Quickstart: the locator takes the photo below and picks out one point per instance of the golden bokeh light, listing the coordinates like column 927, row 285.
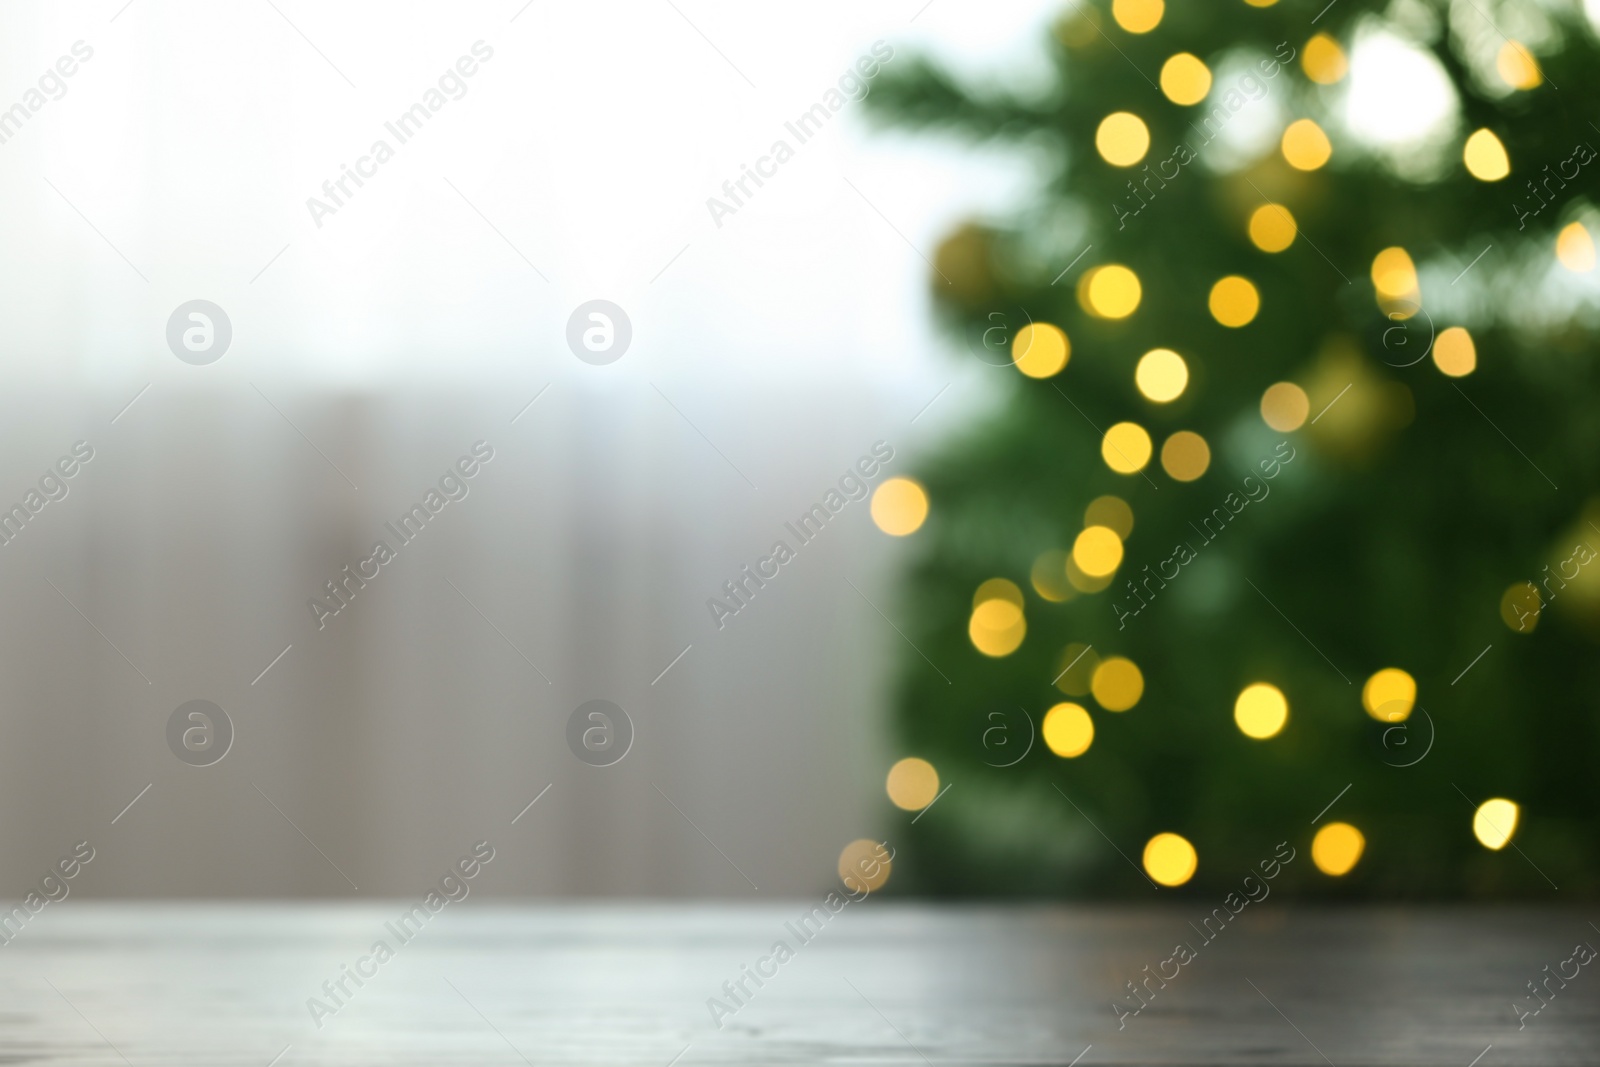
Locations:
column 1234, row 301
column 1040, row 350
column 1517, row 67
column 912, row 784
column 1049, row 576
column 1495, row 822
column 1138, row 16
column 1305, row 146
column 1185, row 456
column 1337, row 848
column 996, row 615
column 864, row 865
column 1126, row 448
column 1486, row 157
column 1454, row 353
column 1575, row 248
column 1185, row 79
column 1284, row 407
column 998, row 589
column 1068, row 730
column 1323, row 60
column 1110, row 292
column 1122, row 139
column 1389, row 695
column 1393, row 274
column 1161, row 375
column 1169, row 859
column 1117, row 683
column 1520, row 606
column 1076, row 669
column 1261, row 711
column 1097, row 551
column 1272, row 228
column 1112, row 511
column 997, row 644
column 899, row 506
column 1085, row 583
column 997, row 627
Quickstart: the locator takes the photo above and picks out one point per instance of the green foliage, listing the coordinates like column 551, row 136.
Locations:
column 1388, row 540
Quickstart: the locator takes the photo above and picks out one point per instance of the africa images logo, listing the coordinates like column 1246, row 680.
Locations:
column 855, row 484
column 853, row 84
column 199, row 332
column 452, row 486
column 199, row 733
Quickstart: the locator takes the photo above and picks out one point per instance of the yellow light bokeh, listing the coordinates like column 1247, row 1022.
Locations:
column 1494, row 823
column 997, row 628
column 1068, row 730
column 1185, row 79
column 1112, row 511
column 1049, row 576
column 1085, row 583
column 1389, row 695
column 997, row 615
column 1110, row 292
column 1097, row 551
column 1161, row 375
column 1122, row 139
column 1234, row 301
column 1520, row 606
column 1485, row 157
column 1261, row 711
column 899, row 506
column 912, row 784
column 1575, row 248
column 1169, row 859
column 1337, row 848
column 1284, row 407
column 864, row 865
column 1261, row 3
column 998, row 589
column 1323, row 60
column 1517, row 67
column 1185, row 456
column 1454, row 353
column 1272, row 228
column 1394, row 276
column 1117, row 683
column 1076, row 668
column 1305, row 146
column 1126, row 448
column 1138, row 16
column 1040, row 350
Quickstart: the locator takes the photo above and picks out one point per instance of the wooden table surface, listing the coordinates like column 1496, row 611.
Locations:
column 880, row 982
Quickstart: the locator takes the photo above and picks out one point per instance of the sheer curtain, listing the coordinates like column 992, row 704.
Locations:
column 370, row 349
column 432, row 708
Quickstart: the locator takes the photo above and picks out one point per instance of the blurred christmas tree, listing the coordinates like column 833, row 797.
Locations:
column 1294, row 485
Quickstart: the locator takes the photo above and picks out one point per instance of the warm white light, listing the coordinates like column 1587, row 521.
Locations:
column 1399, row 94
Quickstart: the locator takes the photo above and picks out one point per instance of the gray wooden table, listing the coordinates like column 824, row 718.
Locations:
column 880, row 982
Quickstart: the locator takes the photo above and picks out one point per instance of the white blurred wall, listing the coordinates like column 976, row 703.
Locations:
column 407, row 726
column 368, row 354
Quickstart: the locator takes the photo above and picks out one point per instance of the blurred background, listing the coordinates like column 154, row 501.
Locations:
column 1079, row 344
column 1281, row 546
